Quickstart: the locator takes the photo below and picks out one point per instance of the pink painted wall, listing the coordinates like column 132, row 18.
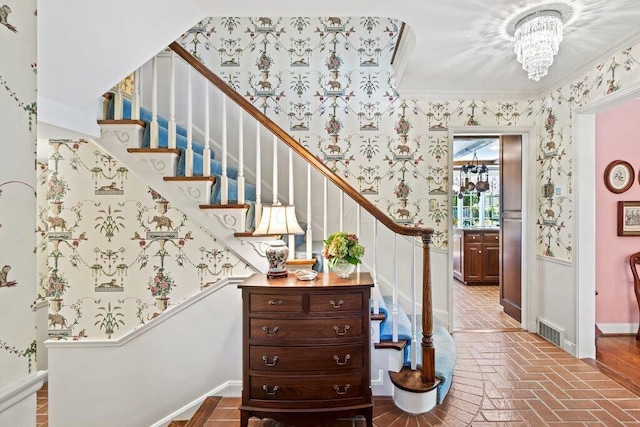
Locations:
column 617, row 138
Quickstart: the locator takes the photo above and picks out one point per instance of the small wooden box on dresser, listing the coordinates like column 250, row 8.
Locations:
column 306, row 349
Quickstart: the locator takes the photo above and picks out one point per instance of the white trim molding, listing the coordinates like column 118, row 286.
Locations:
column 21, row 391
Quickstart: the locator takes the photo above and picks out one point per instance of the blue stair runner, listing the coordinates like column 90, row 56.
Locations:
column 198, row 150
column 445, row 347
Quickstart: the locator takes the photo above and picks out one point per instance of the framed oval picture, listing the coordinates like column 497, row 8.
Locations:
column 619, row 176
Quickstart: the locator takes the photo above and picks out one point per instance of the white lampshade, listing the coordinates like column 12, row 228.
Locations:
column 278, row 220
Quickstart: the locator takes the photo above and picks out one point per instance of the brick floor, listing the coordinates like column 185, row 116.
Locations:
column 478, row 307
column 511, row 378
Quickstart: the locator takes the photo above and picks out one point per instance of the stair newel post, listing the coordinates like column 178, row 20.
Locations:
column 292, row 241
column 394, row 310
column 325, row 200
column 240, row 158
column 275, row 169
column 376, row 302
column 258, row 208
column 206, row 152
column 428, row 351
column 171, row 143
column 224, row 181
column 153, row 126
column 189, row 151
column 135, row 99
column 414, row 308
column 309, row 236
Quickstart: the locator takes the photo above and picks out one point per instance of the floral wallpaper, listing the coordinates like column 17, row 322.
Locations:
column 330, row 83
column 118, row 254
column 17, row 190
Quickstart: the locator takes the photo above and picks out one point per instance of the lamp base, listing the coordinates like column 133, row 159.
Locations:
column 277, row 275
column 277, row 254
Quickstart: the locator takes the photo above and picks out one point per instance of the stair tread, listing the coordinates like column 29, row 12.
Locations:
column 234, row 206
column 379, row 316
column 204, row 411
column 154, row 150
column 410, row 380
column 400, row 345
column 122, row 122
column 190, row 178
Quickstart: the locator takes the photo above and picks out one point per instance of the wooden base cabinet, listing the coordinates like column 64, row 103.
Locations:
column 476, row 256
column 306, row 349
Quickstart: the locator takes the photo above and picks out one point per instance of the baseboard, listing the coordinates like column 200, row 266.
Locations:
column 227, row 389
column 569, row 347
column 618, row 328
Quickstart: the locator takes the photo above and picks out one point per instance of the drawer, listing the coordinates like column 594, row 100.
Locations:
column 491, row 238
column 309, row 329
column 308, row 387
column 472, row 237
column 312, row 358
column 275, row 303
column 335, row 302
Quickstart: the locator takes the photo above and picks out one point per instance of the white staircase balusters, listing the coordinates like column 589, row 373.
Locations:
column 240, row 158
column 358, row 212
column 325, row 199
column 258, row 209
column 394, row 316
column 153, row 126
column 206, row 152
column 376, row 302
column 292, row 240
column 189, row 152
column 309, row 235
column 414, row 308
column 117, row 102
column 171, row 143
column 341, row 210
column 275, row 169
column 135, row 97
column 224, row 180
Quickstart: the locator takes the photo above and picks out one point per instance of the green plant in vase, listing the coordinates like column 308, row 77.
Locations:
column 343, row 252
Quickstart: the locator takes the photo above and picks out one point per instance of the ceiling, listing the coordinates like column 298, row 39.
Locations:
column 486, row 148
column 452, row 50
column 463, row 48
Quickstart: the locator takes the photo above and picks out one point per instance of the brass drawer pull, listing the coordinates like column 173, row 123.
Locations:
column 265, row 359
column 266, row 330
column 346, row 329
column 337, row 389
column 346, row 358
column 275, row 302
column 273, row 391
column 336, row 304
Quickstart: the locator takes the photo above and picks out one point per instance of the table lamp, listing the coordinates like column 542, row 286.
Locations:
column 278, row 220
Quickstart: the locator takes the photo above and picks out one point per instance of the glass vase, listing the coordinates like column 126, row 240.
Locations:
column 343, row 268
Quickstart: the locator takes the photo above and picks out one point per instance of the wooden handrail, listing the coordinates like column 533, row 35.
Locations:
column 287, row 139
column 428, row 351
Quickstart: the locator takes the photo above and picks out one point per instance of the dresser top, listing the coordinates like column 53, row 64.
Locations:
column 328, row 280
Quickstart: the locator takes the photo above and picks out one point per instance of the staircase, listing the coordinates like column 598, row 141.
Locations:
column 209, row 179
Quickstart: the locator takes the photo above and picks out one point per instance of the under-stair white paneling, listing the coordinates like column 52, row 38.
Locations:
column 152, row 372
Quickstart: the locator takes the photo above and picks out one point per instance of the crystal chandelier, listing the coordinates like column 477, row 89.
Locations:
column 537, row 38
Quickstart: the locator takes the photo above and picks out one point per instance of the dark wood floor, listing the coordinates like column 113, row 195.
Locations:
column 618, row 357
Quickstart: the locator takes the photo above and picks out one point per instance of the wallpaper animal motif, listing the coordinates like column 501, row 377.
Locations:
column 17, row 191
column 118, row 253
column 330, row 83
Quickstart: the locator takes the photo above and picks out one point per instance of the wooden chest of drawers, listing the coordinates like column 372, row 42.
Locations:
column 306, row 349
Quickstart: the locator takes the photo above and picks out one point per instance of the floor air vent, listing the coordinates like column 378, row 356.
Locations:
column 550, row 332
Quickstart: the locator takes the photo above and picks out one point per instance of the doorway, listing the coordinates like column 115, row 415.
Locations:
column 486, row 167
column 479, row 307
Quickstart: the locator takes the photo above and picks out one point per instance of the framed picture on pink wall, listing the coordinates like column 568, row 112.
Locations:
column 619, row 176
column 628, row 218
